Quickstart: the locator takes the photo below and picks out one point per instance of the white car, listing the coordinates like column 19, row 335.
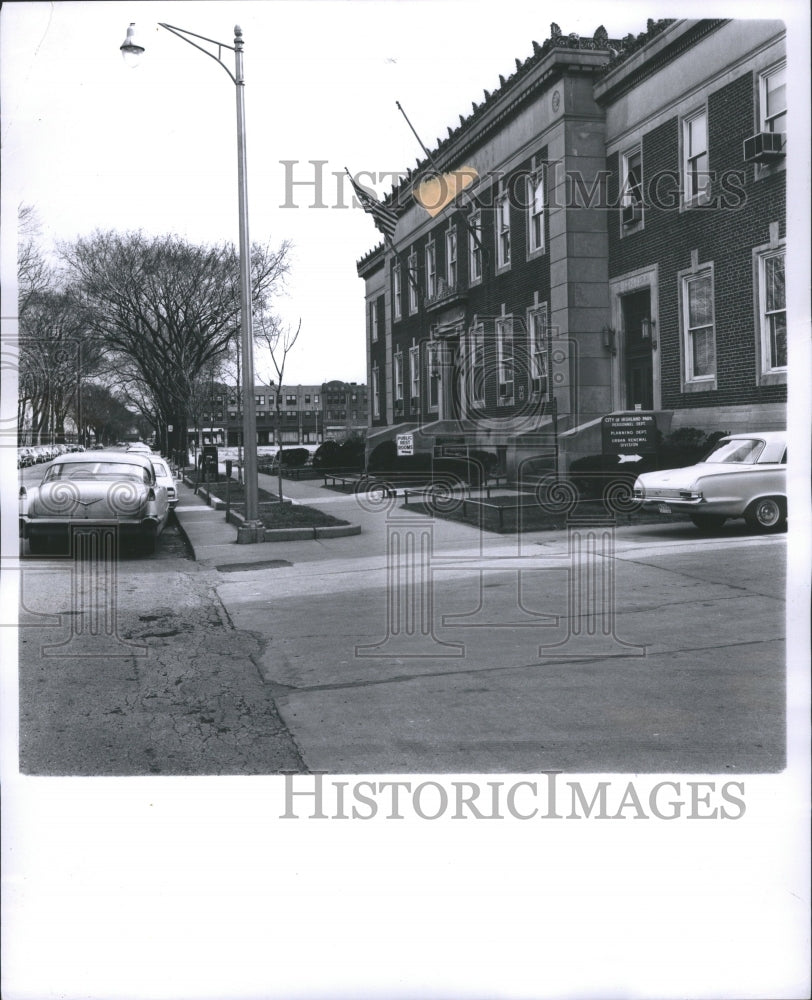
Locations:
column 83, row 492
column 163, row 475
column 745, row 475
column 139, row 448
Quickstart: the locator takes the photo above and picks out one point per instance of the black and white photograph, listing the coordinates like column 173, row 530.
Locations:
column 409, row 537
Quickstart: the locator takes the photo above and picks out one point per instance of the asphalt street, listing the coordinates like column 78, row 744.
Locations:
column 418, row 646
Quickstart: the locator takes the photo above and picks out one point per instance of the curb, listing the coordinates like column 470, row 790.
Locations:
column 245, row 534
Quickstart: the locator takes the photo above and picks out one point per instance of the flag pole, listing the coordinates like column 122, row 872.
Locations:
column 471, row 232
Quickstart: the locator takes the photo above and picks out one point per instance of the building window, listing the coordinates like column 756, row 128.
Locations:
column 451, row 258
column 412, row 282
column 632, row 192
column 695, row 159
column 433, row 365
column 376, row 398
column 290, row 400
column 699, row 336
column 414, row 375
column 316, row 399
column 504, row 354
column 773, row 99
column 476, row 367
column 475, row 247
column 397, row 373
column 772, row 310
column 373, row 322
column 431, row 271
column 307, row 400
column 397, row 291
column 503, row 230
column 538, row 350
column 536, row 203
column 259, row 400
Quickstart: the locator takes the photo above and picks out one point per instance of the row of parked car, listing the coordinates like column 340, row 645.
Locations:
column 130, row 488
column 36, row 454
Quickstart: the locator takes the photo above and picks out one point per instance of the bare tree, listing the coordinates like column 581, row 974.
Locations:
column 279, row 341
column 33, row 273
column 57, row 354
column 166, row 308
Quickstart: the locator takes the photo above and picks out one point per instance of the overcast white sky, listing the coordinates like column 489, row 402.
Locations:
column 93, row 144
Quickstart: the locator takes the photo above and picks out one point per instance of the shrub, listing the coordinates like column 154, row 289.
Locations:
column 326, row 456
column 351, row 454
column 295, row 458
column 687, row 446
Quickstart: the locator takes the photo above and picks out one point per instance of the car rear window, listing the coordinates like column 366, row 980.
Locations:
column 742, row 451
column 97, row 470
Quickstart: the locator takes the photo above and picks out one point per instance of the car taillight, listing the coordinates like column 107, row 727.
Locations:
column 151, row 494
column 690, row 495
column 23, row 493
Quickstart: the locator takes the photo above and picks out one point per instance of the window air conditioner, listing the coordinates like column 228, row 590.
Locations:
column 764, row 147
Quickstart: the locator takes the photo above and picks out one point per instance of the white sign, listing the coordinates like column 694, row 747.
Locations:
column 405, row 444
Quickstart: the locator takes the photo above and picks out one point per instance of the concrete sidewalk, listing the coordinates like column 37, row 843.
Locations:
column 211, row 538
column 214, row 541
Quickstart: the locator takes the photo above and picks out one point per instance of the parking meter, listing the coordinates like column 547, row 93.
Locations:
column 210, row 461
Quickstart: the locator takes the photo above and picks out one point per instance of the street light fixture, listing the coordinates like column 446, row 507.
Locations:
column 131, row 51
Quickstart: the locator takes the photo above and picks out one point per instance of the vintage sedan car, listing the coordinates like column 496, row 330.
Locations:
column 164, row 476
column 745, row 475
column 87, row 491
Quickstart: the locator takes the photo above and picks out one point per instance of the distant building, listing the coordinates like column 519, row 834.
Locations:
column 622, row 248
column 307, row 414
column 345, row 409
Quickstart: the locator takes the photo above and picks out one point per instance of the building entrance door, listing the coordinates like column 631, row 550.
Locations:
column 638, row 365
column 448, row 387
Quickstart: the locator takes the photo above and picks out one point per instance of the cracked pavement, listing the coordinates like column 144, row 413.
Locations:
column 168, row 686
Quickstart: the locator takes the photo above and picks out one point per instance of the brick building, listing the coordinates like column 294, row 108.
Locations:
column 308, row 414
column 621, row 248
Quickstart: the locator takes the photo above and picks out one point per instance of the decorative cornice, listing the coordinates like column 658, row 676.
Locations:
column 559, row 44
column 371, row 261
column 616, row 82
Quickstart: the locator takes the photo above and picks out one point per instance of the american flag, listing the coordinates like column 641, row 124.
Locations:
column 385, row 218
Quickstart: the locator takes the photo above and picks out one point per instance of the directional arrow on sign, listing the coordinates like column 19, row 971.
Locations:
column 629, row 458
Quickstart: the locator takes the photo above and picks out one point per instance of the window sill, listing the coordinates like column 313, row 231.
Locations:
column 777, row 376
column 706, row 385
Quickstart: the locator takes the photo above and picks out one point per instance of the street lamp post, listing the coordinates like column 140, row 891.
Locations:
column 131, row 51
